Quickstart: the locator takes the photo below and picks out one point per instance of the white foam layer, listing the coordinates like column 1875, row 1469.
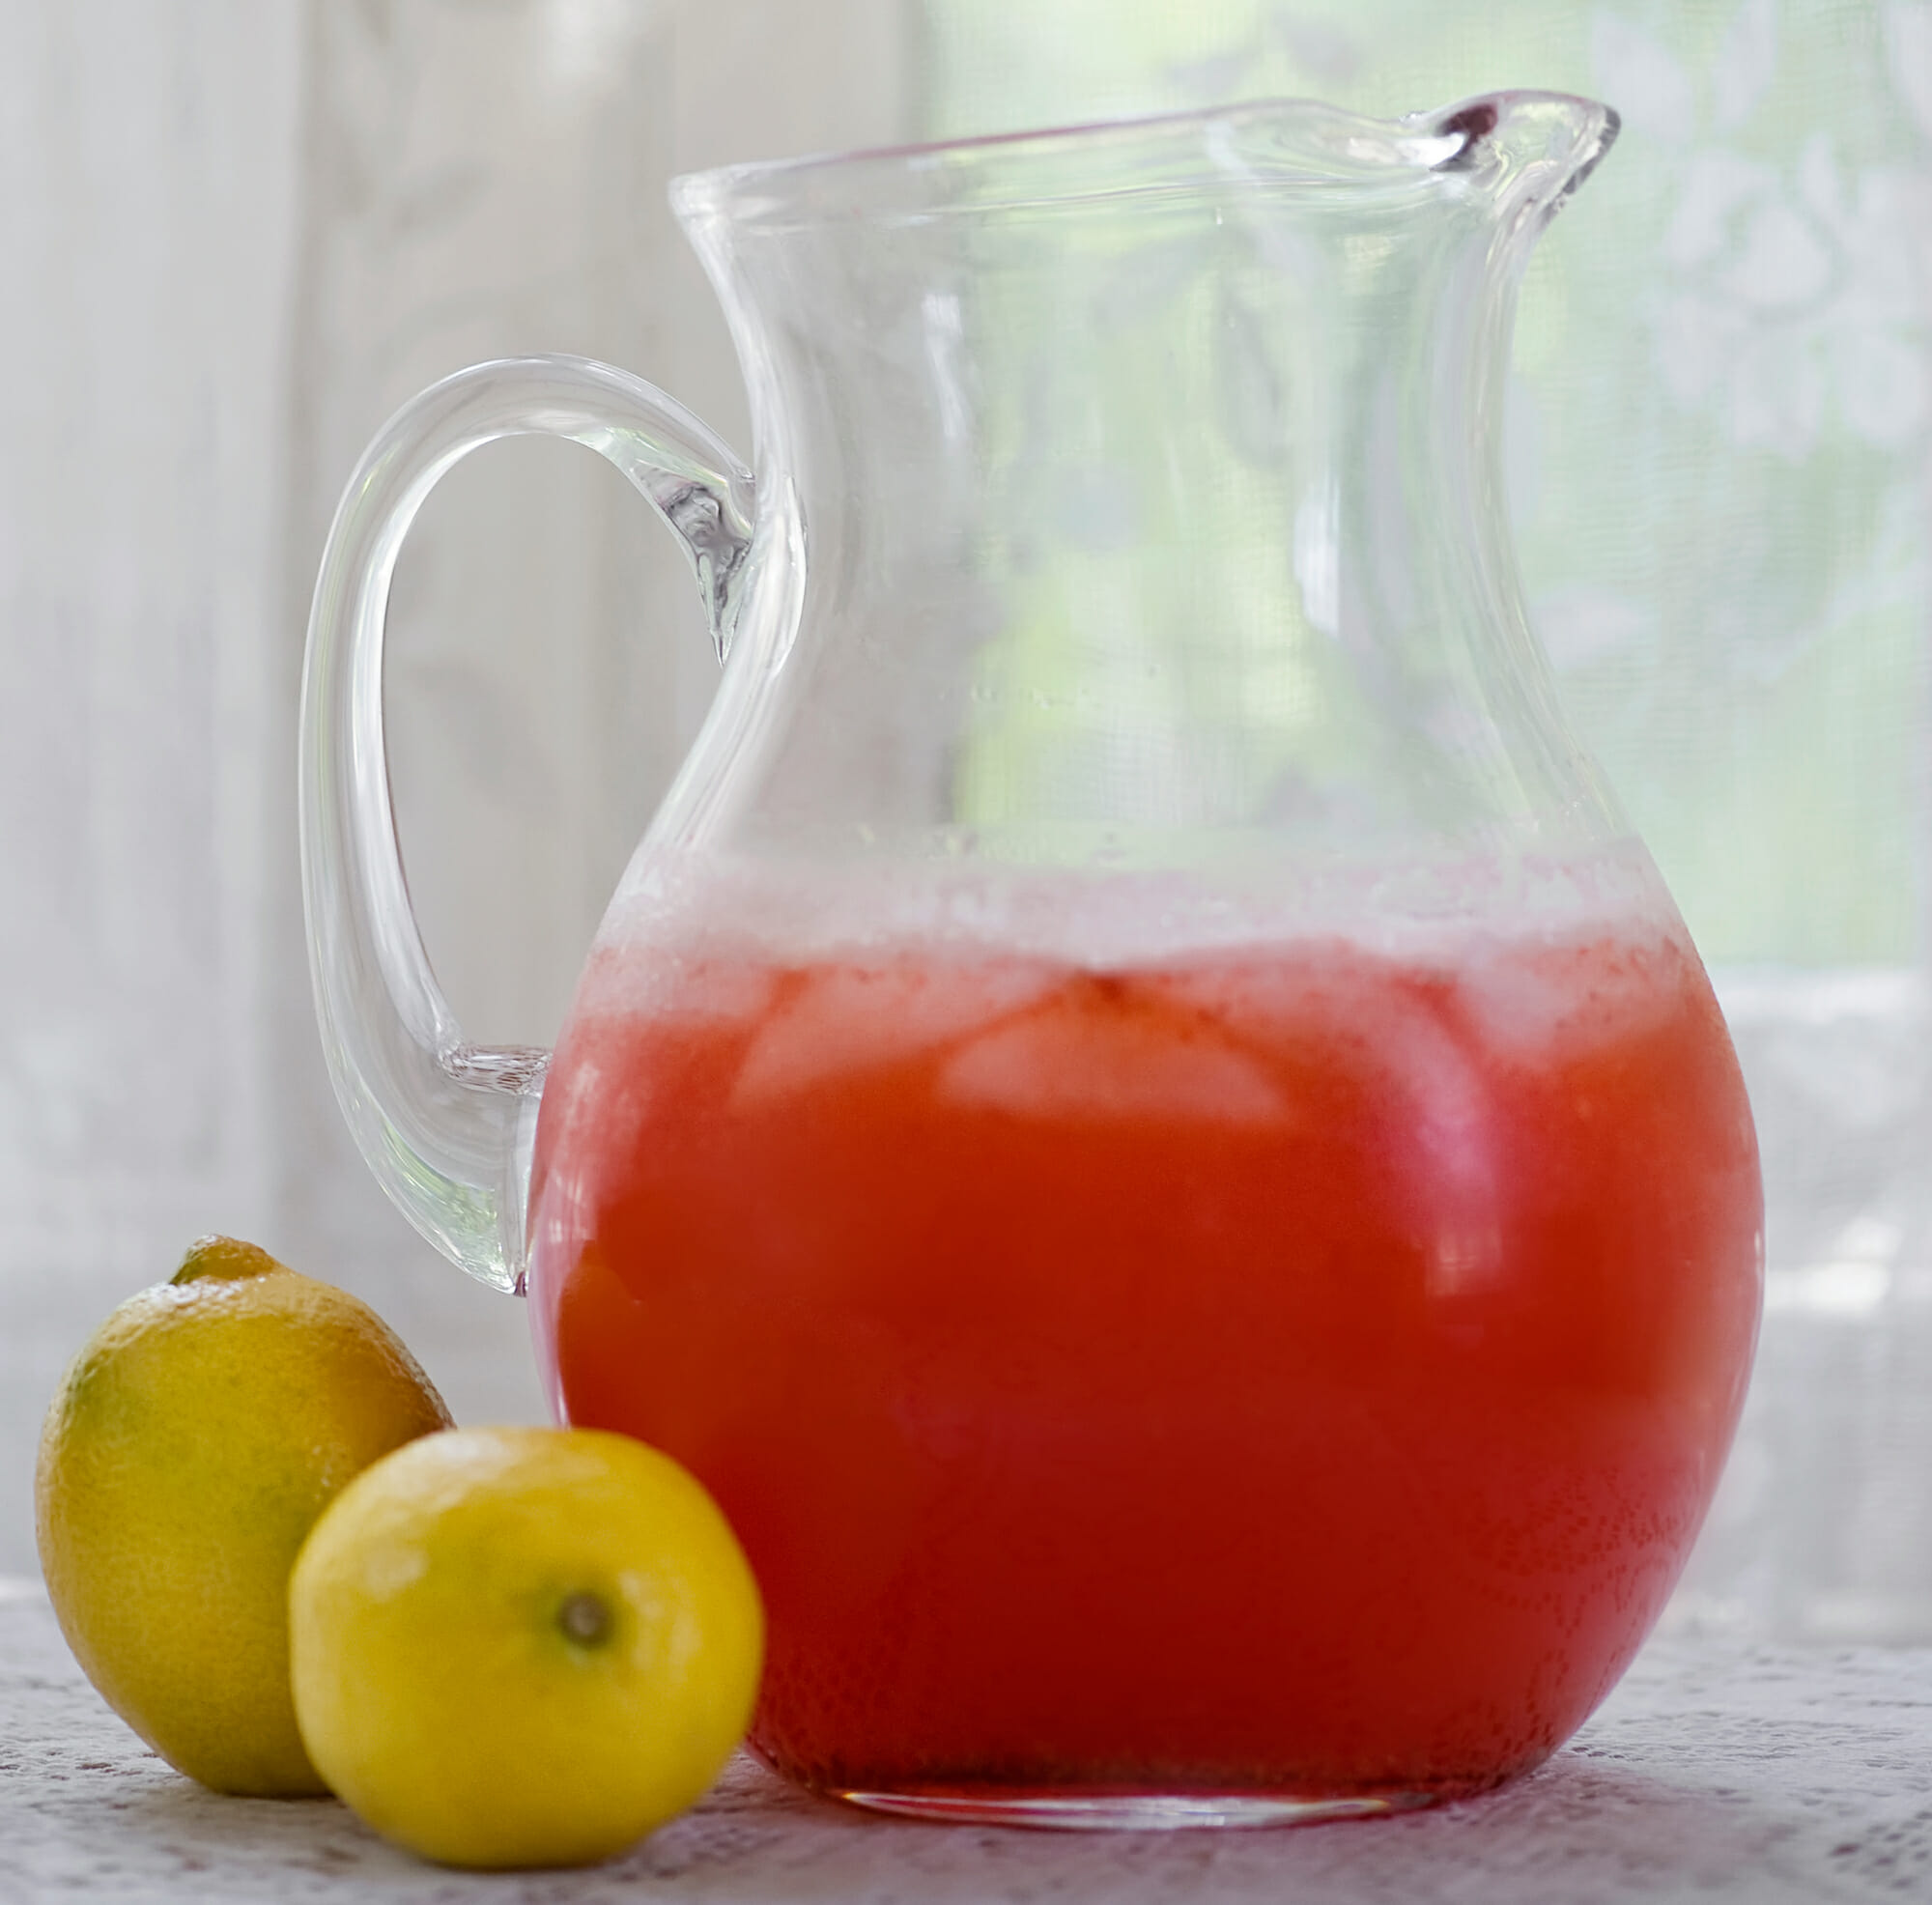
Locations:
column 738, row 907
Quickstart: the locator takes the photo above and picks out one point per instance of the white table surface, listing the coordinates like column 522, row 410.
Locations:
column 1716, row 1771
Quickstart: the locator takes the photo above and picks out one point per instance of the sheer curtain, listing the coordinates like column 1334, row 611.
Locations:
column 239, row 232
column 148, row 224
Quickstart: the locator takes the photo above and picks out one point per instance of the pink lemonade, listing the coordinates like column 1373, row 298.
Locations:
column 1285, row 1369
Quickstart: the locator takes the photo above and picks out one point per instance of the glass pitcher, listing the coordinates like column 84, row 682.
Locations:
column 1138, row 1116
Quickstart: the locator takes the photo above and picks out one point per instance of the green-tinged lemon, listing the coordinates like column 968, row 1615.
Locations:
column 188, row 1450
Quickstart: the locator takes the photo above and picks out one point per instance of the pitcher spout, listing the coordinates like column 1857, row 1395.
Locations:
column 1530, row 151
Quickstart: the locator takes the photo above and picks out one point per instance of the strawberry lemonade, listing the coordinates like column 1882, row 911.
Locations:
column 1276, row 1357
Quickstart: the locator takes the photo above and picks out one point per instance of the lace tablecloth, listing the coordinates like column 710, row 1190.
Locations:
column 1716, row 1771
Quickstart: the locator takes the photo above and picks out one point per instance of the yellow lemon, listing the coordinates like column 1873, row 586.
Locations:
column 190, row 1445
column 520, row 1647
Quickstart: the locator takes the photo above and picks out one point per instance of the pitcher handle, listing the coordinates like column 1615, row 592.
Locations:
column 446, row 1127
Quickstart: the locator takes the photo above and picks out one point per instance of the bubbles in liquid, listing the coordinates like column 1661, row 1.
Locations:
column 1530, row 1003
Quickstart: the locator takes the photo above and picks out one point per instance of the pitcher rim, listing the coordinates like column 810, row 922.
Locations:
column 1361, row 145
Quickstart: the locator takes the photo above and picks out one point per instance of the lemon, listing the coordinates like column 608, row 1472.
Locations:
column 190, row 1445
column 518, row 1647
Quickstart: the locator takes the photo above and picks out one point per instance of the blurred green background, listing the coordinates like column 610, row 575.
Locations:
column 1719, row 414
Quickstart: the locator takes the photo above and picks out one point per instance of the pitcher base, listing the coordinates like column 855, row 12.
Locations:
column 1135, row 1812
